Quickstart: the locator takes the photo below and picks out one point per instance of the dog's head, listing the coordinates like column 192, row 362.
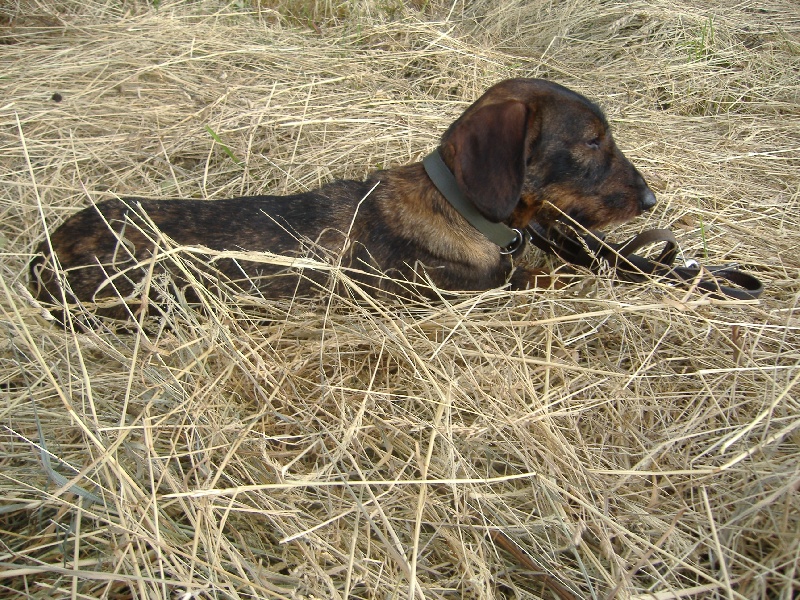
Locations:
column 532, row 150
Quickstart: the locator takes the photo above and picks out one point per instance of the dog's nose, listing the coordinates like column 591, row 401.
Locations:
column 648, row 199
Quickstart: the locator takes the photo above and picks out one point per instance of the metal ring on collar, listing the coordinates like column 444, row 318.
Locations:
column 519, row 241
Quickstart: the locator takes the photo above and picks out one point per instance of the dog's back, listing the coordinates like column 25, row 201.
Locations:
column 106, row 249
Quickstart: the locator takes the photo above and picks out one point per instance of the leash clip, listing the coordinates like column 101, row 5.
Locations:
column 691, row 263
column 520, row 239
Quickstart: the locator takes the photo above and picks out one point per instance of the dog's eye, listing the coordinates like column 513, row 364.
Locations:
column 594, row 143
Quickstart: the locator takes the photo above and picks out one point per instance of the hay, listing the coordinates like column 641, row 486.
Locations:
column 635, row 441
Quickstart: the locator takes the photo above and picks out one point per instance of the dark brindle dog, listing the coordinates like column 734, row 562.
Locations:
column 527, row 151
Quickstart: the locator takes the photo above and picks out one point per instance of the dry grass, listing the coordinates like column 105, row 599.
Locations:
column 637, row 442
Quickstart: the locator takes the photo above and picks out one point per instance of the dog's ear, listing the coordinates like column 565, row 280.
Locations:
column 490, row 155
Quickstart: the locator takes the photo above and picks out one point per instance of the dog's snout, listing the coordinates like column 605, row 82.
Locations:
column 648, row 200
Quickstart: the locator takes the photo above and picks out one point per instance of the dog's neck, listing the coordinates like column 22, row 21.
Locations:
column 509, row 240
column 420, row 213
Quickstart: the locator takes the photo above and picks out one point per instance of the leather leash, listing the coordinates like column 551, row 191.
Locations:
column 592, row 250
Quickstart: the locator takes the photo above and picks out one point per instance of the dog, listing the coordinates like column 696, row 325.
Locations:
column 527, row 151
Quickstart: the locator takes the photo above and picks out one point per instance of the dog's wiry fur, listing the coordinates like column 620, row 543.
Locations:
column 527, row 150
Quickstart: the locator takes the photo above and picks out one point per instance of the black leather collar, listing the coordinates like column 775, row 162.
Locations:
column 510, row 240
